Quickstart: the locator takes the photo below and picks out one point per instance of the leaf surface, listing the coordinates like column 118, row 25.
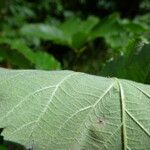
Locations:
column 66, row 110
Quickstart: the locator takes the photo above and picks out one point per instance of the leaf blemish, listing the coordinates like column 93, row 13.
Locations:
column 101, row 121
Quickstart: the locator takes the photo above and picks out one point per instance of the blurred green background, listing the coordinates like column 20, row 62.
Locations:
column 102, row 37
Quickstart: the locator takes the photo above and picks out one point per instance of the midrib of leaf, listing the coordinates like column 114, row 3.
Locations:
column 123, row 115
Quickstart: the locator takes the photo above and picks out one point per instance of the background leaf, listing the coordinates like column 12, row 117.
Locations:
column 134, row 64
column 41, row 60
column 65, row 33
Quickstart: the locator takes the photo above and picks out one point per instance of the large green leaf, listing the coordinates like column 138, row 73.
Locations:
column 66, row 110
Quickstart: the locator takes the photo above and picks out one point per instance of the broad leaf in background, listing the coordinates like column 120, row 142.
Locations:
column 46, row 32
column 74, row 25
column 41, row 60
column 64, row 34
column 134, row 64
column 116, row 32
column 69, row 110
column 14, row 58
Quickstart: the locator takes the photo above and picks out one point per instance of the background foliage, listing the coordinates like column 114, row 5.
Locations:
column 78, row 35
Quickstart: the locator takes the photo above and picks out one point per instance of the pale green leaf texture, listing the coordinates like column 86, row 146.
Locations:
column 66, row 110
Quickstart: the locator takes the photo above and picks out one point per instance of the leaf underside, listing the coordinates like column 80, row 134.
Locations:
column 66, row 110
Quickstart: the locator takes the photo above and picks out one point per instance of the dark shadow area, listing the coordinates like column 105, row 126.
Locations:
column 8, row 145
column 13, row 146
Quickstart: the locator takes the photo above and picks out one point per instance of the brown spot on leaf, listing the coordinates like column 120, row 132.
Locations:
column 101, row 121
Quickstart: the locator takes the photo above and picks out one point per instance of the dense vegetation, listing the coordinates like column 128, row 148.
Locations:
column 78, row 35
